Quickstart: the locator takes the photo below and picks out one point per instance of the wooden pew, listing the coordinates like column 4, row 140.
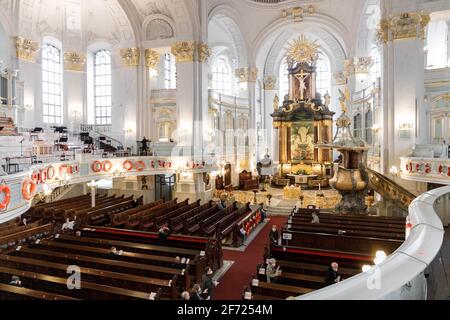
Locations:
column 163, row 220
column 346, row 243
column 148, row 223
column 323, row 257
column 63, row 211
column 211, row 248
column 101, row 216
column 10, row 292
column 58, row 285
column 192, row 225
column 338, row 220
column 134, row 220
column 273, row 291
column 339, row 229
column 176, row 224
column 17, row 229
column 115, row 279
column 148, row 259
column 37, row 210
column 110, row 263
column 27, row 235
column 120, row 219
column 212, row 220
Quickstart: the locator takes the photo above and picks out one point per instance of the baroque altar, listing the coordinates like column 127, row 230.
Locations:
column 304, row 123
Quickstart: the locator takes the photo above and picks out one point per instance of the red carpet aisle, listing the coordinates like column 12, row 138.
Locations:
column 232, row 284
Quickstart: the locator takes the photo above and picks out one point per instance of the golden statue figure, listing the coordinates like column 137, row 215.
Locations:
column 344, row 99
column 276, row 103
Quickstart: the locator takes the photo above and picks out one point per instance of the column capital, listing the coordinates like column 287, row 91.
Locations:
column 130, row 57
column 74, row 61
column 357, row 65
column 408, row 25
column 204, row 52
column 184, row 51
column 26, row 49
column 247, row 74
column 270, row 83
column 151, row 59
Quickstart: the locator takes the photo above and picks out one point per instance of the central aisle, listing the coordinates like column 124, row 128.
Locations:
column 239, row 276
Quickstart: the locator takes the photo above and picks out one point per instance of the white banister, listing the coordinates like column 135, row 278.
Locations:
column 401, row 275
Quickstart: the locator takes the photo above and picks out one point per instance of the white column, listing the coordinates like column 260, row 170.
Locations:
column 269, row 96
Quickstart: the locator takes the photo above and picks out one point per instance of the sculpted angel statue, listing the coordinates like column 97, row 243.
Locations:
column 344, row 99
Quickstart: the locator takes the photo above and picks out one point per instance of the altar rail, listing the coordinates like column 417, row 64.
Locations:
column 403, row 275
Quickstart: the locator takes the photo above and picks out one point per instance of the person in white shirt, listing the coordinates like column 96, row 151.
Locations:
column 315, row 218
column 69, row 225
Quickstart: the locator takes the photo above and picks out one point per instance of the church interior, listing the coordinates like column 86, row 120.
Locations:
column 224, row 150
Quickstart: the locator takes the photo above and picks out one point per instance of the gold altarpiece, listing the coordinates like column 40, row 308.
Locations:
column 304, row 121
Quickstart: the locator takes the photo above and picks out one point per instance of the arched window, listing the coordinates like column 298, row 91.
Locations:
column 170, row 72
column 284, row 79
column 102, row 83
column 323, row 69
column 221, row 72
column 375, row 70
column 437, row 56
column 51, row 85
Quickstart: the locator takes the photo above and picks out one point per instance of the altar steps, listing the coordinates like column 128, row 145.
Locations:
column 279, row 211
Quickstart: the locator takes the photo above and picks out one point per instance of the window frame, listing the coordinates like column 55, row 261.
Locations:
column 103, row 84
column 52, row 84
column 221, row 77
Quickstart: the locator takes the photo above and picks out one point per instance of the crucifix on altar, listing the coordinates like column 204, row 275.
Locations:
column 302, row 77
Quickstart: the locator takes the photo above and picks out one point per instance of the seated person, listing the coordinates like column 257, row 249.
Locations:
column 185, row 296
column 15, row 281
column 333, row 276
column 273, row 235
column 68, row 225
column 222, row 205
column 163, row 233
column 263, row 212
column 116, row 252
column 315, row 218
column 177, row 263
column 196, row 293
column 272, row 271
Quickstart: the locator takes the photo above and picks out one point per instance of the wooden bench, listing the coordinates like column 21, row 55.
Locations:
column 115, row 279
column 346, row 243
column 275, row 290
column 58, row 285
column 344, row 230
column 140, row 258
column 110, row 263
column 10, row 292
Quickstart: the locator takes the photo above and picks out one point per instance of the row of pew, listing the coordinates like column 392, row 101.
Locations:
column 307, row 250
column 192, row 219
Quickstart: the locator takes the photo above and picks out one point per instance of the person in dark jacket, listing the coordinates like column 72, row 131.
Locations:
column 177, row 263
column 274, row 235
column 333, row 276
column 208, row 284
column 196, row 293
